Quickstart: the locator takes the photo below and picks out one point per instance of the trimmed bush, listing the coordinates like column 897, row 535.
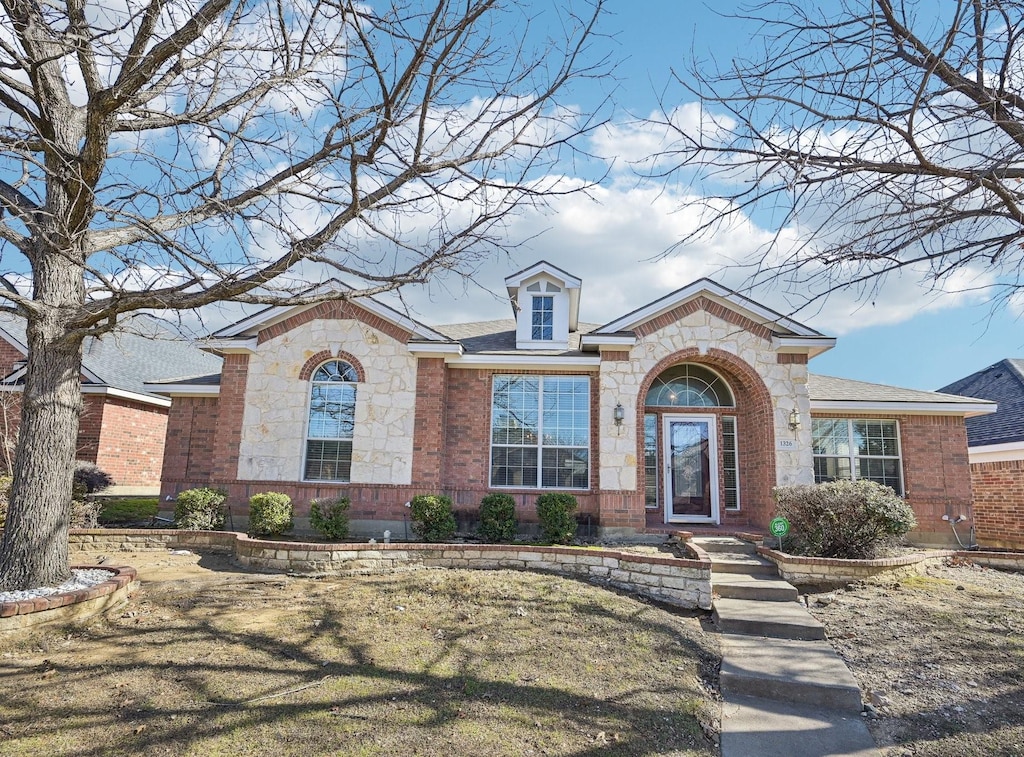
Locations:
column 498, row 518
column 127, row 510
column 89, row 478
column 842, row 519
column 200, row 509
column 270, row 514
column 555, row 511
column 329, row 517
column 432, row 517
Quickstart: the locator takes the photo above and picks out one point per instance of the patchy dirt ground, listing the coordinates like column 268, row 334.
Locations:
column 943, row 654
column 209, row 660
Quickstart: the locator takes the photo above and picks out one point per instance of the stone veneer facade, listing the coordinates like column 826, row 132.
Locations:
column 277, row 403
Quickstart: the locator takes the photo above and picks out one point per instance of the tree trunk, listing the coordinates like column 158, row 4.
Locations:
column 34, row 551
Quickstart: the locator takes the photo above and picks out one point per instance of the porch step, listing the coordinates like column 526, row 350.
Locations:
column 780, row 620
column 807, row 672
column 750, row 565
column 743, row 586
column 728, row 544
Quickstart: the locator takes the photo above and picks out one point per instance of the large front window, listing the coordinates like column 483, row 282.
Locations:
column 857, row 449
column 540, row 432
column 332, row 412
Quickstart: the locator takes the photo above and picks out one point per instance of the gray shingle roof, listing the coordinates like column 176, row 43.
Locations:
column 830, row 388
column 143, row 349
column 499, row 338
column 1002, row 383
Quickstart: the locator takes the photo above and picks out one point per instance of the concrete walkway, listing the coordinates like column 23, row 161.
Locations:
column 785, row 692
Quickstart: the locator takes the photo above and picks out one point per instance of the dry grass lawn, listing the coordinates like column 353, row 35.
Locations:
column 209, row 660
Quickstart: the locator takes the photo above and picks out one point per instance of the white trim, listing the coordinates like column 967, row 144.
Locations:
column 542, row 266
column 243, row 345
column 109, row 391
column 435, row 348
column 607, row 340
column 967, row 410
column 812, row 345
column 184, row 390
column 527, row 362
column 724, row 296
column 996, row 453
column 716, row 506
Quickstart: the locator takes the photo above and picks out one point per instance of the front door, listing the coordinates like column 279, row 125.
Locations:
column 691, row 468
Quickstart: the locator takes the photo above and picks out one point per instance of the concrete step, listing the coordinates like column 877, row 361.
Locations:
column 779, row 620
column 807, row 672
column 753, row 727
column 716, row 544
column 750, row 565
column 743, row 586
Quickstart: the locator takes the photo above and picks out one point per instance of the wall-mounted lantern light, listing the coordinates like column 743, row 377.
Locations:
column 619, row 415
column 794, row 419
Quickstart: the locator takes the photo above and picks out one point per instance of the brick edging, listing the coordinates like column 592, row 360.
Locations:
column 120, row 578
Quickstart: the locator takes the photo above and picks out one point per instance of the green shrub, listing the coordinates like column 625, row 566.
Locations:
column 842, row 519
column 555, row 511
column 329, row 517
column 432, row 517
column 200, row 509
column 127, row 510
column 270, row 514
column 498, row 518
column 89, row 478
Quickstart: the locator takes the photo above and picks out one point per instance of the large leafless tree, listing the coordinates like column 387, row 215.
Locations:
column 169, row 154
column 878, row 137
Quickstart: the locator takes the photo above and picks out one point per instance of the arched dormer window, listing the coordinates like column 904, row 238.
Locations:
column 689, row 385
column 332, row 412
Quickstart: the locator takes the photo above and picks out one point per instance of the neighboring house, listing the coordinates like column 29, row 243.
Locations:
column 684, row 412
column 996, row 451
column 123, row 425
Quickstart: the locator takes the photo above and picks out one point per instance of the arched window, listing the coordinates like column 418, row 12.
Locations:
column 332, row 412
column 689, row 385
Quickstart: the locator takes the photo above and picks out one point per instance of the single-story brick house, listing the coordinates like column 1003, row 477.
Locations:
column 686, row 411
column 123, row 425
column 996, row 453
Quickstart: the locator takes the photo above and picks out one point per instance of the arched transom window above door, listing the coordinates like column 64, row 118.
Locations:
column 689, row 385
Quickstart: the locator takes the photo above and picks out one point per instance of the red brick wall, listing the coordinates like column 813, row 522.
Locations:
column 90, row 427
column 936, row 473
column 428, row 446
column 9, row 355
column 131, row 443
column 188, row 450
column 999, row 503
column 230, row 407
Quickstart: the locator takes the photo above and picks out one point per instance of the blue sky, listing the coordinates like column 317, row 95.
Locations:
column 904, row 335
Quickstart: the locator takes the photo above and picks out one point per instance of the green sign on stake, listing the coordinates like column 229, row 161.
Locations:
column 779, row 527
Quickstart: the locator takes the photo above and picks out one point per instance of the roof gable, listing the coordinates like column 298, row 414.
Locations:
column 263, row 319
column 1003, row 383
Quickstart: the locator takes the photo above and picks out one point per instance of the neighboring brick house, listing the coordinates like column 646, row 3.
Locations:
column 996, row 452
column 687, row 411
column 123, row 425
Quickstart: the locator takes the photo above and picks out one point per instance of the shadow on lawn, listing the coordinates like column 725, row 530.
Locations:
column 334, row 683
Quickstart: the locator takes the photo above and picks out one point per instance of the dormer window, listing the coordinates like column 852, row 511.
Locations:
column 543, row 318
column 545, row 300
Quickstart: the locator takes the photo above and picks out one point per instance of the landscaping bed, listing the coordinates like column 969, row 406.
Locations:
column 942, row 652
column 208, row 659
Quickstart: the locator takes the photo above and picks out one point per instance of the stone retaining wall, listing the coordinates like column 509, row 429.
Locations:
column 828, row 571
column 71, row 606
column 679, row 582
